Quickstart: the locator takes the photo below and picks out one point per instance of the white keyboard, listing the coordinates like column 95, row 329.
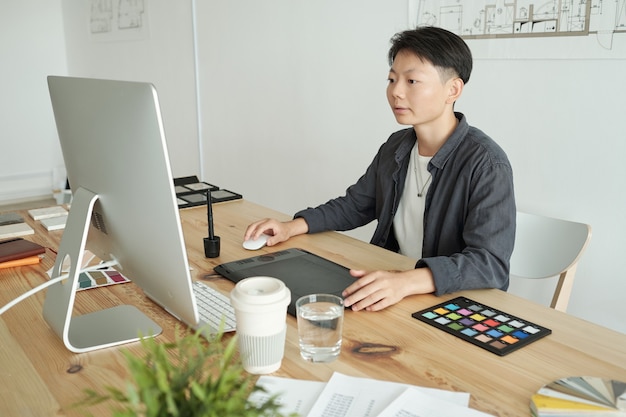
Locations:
column 213, row 307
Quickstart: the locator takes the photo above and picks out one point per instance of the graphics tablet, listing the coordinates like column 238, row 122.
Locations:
column 302, row 272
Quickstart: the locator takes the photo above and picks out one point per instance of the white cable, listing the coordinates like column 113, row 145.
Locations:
column 53, row 281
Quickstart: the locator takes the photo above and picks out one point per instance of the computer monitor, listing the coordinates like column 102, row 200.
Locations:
column 123, row 208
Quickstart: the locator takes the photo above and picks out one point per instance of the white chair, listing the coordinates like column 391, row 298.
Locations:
column 547, row 247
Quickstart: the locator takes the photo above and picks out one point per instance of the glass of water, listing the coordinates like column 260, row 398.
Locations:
column 320, row 322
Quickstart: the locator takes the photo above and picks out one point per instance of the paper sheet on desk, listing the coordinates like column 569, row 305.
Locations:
column 344, row 396
column 414, row 403
column 294, row 395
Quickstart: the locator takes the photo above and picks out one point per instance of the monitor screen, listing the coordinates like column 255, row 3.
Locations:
column 124, row 208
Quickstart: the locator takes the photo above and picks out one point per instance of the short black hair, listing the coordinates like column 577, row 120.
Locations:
column 440, row 47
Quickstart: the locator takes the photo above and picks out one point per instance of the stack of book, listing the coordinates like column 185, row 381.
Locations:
column 19, row 252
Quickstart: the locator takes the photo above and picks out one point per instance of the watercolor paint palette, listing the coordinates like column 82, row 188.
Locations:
column 496, row 331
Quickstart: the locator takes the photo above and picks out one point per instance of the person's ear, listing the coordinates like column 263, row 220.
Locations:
column 455, row 88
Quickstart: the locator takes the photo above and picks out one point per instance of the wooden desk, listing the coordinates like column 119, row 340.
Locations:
column 39, row 377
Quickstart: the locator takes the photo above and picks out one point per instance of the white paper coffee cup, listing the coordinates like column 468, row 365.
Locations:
column 260, row 305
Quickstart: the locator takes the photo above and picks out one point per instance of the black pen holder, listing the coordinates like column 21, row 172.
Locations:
column 212, row 247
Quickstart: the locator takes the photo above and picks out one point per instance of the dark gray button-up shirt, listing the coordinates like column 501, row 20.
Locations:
column 469, row 218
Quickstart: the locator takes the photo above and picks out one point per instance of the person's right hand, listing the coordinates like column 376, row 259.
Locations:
column 278, row 231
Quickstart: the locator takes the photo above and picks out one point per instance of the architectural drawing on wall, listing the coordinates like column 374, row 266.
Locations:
column 117, row 19
column 513, row 18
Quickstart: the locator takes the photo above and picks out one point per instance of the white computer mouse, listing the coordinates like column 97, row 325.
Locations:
column 255, row 244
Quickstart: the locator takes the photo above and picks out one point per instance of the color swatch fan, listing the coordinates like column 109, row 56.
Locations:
column 580, row 396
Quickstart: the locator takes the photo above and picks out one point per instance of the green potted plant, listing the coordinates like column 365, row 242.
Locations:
column 192, row 376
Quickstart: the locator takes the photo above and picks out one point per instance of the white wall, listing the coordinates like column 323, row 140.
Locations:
column 293, row 94
column 32, row 45
column 162, row 54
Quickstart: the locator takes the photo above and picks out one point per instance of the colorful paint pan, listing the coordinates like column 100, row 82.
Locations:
column 496, row 331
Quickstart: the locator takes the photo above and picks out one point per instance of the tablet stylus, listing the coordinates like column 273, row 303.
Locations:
column 211, row 243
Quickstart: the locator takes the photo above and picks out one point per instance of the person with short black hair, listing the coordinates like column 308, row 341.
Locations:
column 441, row 190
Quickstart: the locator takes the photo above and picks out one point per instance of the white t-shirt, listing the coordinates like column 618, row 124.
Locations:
column 408, row 223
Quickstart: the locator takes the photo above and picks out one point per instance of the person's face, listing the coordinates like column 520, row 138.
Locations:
column 416, row 92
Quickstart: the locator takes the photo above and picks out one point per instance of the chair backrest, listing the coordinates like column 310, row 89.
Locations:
column 547, row 247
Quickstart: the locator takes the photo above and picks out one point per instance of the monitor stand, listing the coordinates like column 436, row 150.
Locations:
column 100, row 329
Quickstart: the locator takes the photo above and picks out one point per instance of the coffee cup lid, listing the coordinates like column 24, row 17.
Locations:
column 256, row 293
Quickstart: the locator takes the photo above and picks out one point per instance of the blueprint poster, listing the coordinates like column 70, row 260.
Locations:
column 520, row 18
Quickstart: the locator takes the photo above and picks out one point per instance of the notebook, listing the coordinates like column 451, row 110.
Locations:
column 302, row 272
column 18, row 249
